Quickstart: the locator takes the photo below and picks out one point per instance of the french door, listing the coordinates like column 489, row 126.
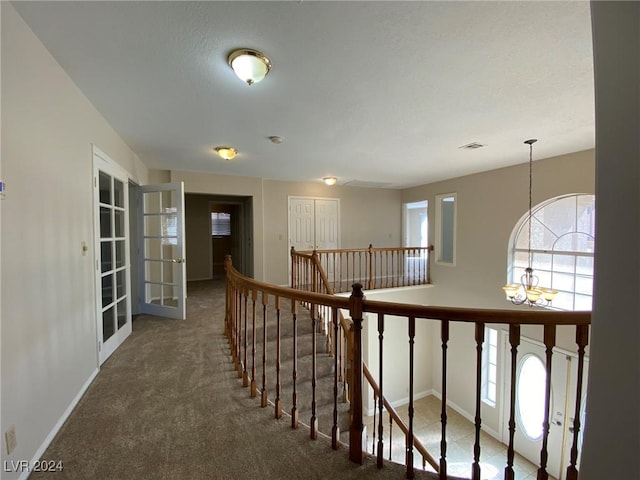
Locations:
column 162, row 250
column 112, row 254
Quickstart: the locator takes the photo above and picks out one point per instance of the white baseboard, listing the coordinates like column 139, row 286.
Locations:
column 198, row 279
column 56, row 428
column 402, row 401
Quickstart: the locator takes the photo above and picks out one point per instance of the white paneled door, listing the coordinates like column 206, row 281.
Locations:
column 112, row 254
column 162, row 250
column 314, row 223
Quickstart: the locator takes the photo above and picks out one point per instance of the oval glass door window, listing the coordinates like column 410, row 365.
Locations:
column 532, row 377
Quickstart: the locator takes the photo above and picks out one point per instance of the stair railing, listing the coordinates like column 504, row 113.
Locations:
column 240, row 289
column 373, row 267
column 309, row 274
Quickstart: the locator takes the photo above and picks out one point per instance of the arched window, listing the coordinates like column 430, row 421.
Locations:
column 562, row 247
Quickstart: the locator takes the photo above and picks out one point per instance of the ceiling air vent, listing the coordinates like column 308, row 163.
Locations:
column 472, row 146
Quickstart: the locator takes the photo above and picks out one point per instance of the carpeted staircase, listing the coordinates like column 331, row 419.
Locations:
column 304, row 347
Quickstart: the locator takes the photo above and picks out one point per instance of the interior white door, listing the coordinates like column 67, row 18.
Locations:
column 162, row 248
column 326, row 224
column 113, row 288
column 302, row 223
column 530, row 392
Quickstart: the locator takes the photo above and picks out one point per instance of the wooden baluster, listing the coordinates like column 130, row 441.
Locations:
column 336, row 269
column 294, row 264
column 294, row 374
column 234, row 320
column 380, row 367
column 240, row 367
column 444, row 334
column 313, row 425
column 326, row 321
column 340, row 263
column 409, row 457
column 475, row 469
column 514, row 341
column 278, row 405
column 549, row 342
column 386, row 268
column 370, row 284
column 263, row 393
column 375, row 417
column 582, row 339
column 335, row 430
column 245, row 374
column 356, row 428
column 390, row 436
column 254, row 387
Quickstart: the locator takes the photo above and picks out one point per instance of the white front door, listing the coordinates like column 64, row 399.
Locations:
column 162, row 250
column 530, row 392
column 113, row 288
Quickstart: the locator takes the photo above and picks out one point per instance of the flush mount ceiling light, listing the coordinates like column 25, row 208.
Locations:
column 331, row 181
column 249, row 65
column 227, row 153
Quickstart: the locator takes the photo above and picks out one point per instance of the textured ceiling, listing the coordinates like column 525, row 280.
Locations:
column 374, row 93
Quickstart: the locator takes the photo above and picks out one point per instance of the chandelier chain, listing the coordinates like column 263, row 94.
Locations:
column 530, row 188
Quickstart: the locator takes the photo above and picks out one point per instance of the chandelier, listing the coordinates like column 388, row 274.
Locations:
column 528, row 291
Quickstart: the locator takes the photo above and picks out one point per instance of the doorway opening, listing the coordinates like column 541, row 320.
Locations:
column 217, row 226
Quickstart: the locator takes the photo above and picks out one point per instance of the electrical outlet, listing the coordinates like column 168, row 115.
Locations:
column 10, row 439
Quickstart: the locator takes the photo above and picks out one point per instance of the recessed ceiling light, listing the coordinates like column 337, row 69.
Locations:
column 227, row 153
column 275, row 139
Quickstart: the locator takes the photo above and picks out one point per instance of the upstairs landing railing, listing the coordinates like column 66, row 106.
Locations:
column 372, row 267
column 245, row 296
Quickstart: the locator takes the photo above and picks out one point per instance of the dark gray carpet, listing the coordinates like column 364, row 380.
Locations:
column 168, row 405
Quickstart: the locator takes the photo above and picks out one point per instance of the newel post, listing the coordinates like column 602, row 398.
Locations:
column 356, row 428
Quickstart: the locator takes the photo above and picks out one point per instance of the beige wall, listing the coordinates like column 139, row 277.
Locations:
column 210, row 183
column 367, row 215
column 197, row 224
column 48, row 300
column 489, row 205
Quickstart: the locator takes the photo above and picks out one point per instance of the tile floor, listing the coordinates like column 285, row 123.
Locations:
column 460, row 440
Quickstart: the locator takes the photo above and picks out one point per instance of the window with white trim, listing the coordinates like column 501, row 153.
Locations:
column 490, row 366
column 562, row 249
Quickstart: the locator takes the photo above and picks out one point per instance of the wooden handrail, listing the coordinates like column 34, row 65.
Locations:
column 352, row 369
column 475, row 315
column 396, row 418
